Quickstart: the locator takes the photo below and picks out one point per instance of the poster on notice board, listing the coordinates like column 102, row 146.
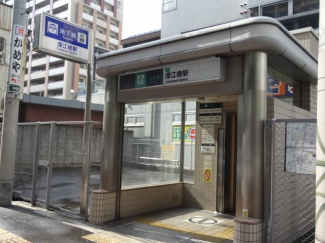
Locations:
column 301, row 148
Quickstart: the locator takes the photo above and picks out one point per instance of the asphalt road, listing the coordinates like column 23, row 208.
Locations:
column 38, row 228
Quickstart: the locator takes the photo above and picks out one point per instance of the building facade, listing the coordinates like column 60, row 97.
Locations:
column 53, row 77
column 181, row 16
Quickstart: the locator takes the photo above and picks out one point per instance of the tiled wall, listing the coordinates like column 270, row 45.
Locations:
column 309, row 41
column 204, row 194
column 281, row 110
column 148, row 199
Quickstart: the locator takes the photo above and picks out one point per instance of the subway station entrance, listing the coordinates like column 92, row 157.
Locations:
column 184, row 119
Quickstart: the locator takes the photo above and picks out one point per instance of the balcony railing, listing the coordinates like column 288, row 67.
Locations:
column 56, row 71
column 87, row 17
column 55, row 85
column 114, row 29
column 42, row 61
column 35, row 88
column 113, row 41
column 109, row 13
column 95, row 6
column 43, row 9
column 111, row 2
column 59, row 3
column 101, row 23
column 101, row 37
column 36, row 75
column 63, row 14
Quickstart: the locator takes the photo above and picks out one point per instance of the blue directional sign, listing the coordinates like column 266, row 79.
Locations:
column 58, row 37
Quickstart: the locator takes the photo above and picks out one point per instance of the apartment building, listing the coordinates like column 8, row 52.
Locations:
column 53, row 77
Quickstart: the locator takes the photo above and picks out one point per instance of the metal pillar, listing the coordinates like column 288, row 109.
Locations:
column 254, row 117
column 35, row 165
column 320, row 152
column 10, row 117
column 87, row 136
column 50, row 166
column 182, row 144
column 112, row 137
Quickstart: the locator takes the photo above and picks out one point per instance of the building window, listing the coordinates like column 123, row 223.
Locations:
column 111, row 48
column 254, row 12
column 98, row 17
column 134, row 120
column 81, row 80
column 85, row 11
column 301, row 6
column 302, row 22
column 99, row 44
column 112, row 36
column 99, row 31
column 112, row 23
column 168, row 5
column 276, row 10
column 190, row 117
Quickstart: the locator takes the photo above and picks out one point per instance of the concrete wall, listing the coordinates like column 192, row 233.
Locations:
column 192, row 14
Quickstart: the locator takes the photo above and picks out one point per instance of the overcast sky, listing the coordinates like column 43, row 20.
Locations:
column 140, row 16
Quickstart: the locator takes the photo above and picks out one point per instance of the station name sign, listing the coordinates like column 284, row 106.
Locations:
column 60, row 38
column 207, row 70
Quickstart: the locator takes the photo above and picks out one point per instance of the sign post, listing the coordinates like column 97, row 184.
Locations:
column 57, row 37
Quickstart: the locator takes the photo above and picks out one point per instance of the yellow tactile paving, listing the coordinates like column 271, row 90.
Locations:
column 101, row 238
column 7, row 237
column 217, row 237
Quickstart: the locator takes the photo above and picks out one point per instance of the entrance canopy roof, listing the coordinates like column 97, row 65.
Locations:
column 227, row 40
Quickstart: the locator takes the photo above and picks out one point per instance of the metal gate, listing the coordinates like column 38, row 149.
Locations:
column 50, row 162
column 290, row 197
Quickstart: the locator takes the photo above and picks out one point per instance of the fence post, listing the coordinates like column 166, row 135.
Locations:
column 85, row 177
column 272, row 180
column 50, row 165
column 35, row 165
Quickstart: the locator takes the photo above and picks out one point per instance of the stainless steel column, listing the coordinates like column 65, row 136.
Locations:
column 254, row 109
column 320, row 151
column 112, row 137
column 182, row 143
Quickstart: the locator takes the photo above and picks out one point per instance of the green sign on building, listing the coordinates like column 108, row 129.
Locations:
column 140, row 80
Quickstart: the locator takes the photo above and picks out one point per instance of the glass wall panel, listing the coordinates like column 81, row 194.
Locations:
column 276, row 10
column 151, row 150
column 190, row 135
column 254, row 12
column 302, row 22
column 301, row 6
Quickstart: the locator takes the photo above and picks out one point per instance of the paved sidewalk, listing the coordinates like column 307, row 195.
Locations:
column 35, row 224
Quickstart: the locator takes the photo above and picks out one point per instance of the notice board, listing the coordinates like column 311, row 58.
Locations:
column 301, row 148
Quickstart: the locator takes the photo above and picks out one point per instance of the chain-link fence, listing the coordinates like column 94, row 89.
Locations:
column 51, row 159
column 291, row 211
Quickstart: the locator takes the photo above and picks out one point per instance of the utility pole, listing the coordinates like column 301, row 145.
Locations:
column 320, row 152
column 10, row 116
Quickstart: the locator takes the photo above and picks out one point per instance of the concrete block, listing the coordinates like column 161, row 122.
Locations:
column 6, row 188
